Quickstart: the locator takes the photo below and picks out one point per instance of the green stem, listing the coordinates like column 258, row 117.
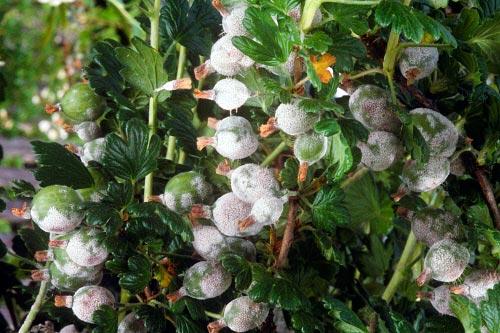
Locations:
column 274, row 154
column 35, row 308
column 401, row 267
column 153, row 101
column 370, row 71
column 213, row 315
column 171, row 148
column 438, row 45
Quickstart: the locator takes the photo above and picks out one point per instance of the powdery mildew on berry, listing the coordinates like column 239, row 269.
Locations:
column 310, row 147
column 416, row 63
column 369, row 105
column 131, row 324
column 234, row 138
column 88, row 299
column 477, row 284
column 381, row 150
column 250, row 182
column 65, row 282
column 425, row 177
column 267, row 210
column 431, row 225
column 242, row 314
column 446, row 260
column 206, row 279
column 208, row 242
column 69, row 329
column 292, row 120
column 230, row 94
column 228, row 211
column 56, row 209
column 440, row 300
column 241, row 247
column 93, row 151
column 232, row 24
column 185, row 189
column 226, row 59
column 85, row 249
column 87, row 131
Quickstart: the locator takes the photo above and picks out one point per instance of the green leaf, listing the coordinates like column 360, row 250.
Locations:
column 22, row 188
column 345, row 48
column 467, row 312
column 435, row 29
column 376, row 262
column 174, row 221
column 271, row 43
column 3, row 249
column 143, row 67
column 340, row 157
column 490, row 309
column 367, row 205
column 398, row 324
column 178, row 120
column 487, row 37
column 138, row 275
column 239, row 268
column 34, row 239
column 57, row 166
column 184, row 324
column 327, row 127
column 329, row 209
column 306, row 323
column 288, row 174
column 319, row 41
column 401, row 18
column 325, row 244
column 154, row 318
column 317, row 106
column 134, row 156
column 350, row 17
column 479, row 214
column 105, row 319
column 415, row 143
column 346, row 320
column 190, row 26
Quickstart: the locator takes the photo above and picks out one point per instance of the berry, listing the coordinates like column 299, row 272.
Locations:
column 229, row 94
column 417, row 63
column 66, row 282
column 203, row 280
column 431, row 225
column 56, row 209
column 86, row 301
column 185, row 189
column 381, row 150
column 440, row 300
column 265, row 211
column 439, row 133
column 85, row 249
column 369, row 105
column 226, row 59
column 131, row 324
column 209, row 243
column 250, row 182
column 241, row 315
column 87, row 130
column 232, row 24
column 234, row 138
column 81, row 103
column 308, row 149
column 445, row 261
column 228, row 211
column 291, row 119
column 427, row 176
column 93, row 151
column 69, row 329
column 477, row 284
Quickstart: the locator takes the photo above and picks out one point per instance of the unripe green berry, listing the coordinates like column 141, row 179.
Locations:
column 250, row 182
column 242, row 314
column 185, row 189
column 81, row 103
column 381, row 150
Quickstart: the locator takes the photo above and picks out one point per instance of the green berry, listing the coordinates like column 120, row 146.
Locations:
column 310, row 147
column 185, row 189
column 81, row 103
column 131, row 324
column 66, row 282
column 250, row 182
column 87, row 300
column 204, row 280
column 445, row 261
column 381, row 150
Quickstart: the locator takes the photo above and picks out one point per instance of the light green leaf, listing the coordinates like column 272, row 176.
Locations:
column 467, row 312
column 401, row 18
column 346, row 320
column 490, row 309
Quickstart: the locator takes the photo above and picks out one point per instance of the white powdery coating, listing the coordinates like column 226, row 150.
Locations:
column 208, row 278
column 438, row 131
column 310, row 147
column 441, row 300
column 85, row 250
column 432, row 225
column 250, row 182
column 186, row 200
column 228, row 211
column 242, row 314
column 93, row 151
column 478, row 283
column 381, row 150
column 202, row 188
column 227, row 59
column 57, row 222
column 369, row 105
column 131, row 324
column 87, row 130
column 267, row 210
column 446, row 260
column 88, row 299
column 234, row 138
column 292, row 120
column 232, row 24
column 208, row 242
column 418, row 62
column 230, row 94
column 168, row 199
column 426, row 177
column 69, row 329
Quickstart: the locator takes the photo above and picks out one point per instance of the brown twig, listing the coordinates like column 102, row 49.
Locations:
column 287, row 240
column 372, row 325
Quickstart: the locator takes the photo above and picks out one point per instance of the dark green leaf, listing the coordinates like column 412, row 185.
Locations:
column 350, row 17
column 184, row 324
column 345, row 48
column 34, row 239
column 376, row 262
column 415, row 143
column 138, row 275
column 288, row 174
column 467, row 312
column 143, row 67
column 105, row 319
column 325, row 244
column 133, row 157
column 319, row 42
column 346, row 320
column 329, row 209
column 154, row 318
column 353, row 131
column 56, row 165
column 178, row 120
column 435, row 29
column 317, row 106
column 306, row 323
column 190, row 26
column 401, row 18
column 240, row 269
column 195, row 308
column 398, row 324
column 490, row 309
column 327, row 127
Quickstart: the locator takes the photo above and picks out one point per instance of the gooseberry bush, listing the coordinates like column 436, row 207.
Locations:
column 271, row 166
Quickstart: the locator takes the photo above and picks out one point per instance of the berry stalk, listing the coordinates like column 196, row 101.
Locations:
column 153, row 101
column 274, row 154
column 35, row 308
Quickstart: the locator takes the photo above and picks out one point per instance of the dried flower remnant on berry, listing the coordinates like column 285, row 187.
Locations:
column 250, row 182
column 416, row 63
column 203, row 280
column 477, row 284
column 241, row 315
column 229, row 94
column 426, row 176
column 381, row 150
column 431, row 225
column 445, row 261
column 265, row 211
column 309, row 148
